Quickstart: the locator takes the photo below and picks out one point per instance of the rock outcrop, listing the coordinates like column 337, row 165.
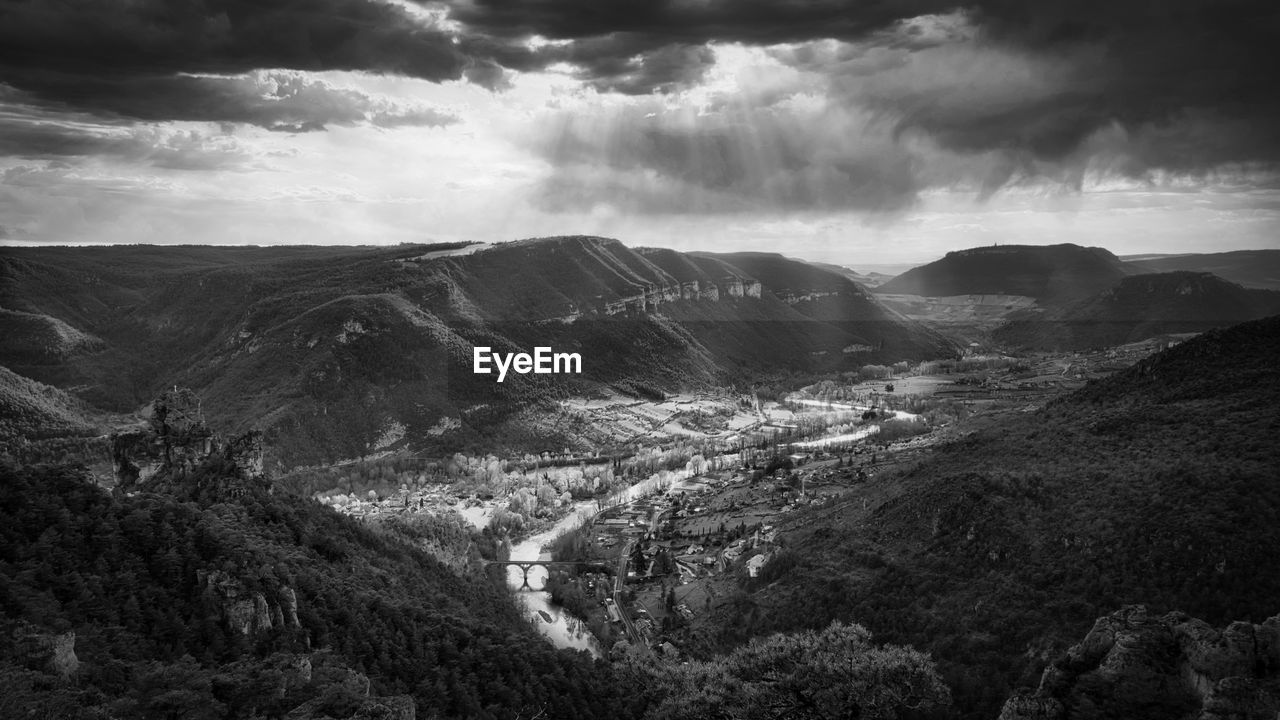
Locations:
column 176, row 441
column 345, row 693
column 650, row 297
column 54, row 653
column 1133, row 664
column 246, row 611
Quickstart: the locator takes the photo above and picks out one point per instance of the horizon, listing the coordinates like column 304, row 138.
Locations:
column 884, row 268
column 851, row 135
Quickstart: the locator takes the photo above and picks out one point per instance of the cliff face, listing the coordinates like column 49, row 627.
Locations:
column 54, row 653
column 1133, row 664
column 176, row 441
column 346, row 694
column 651, row 296
column 248, row 611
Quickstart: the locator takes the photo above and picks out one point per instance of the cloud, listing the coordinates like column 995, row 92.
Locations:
column 756, row 22
column 1095, row 62
column 652, row 47
column 135, row 59
column 833, row 125
column 675, row 107
column 1037, row 79
column 277, row 100
column 604, row 66
column 37, row 138
column 296, row 101
column 273, row 99
column 795, row 153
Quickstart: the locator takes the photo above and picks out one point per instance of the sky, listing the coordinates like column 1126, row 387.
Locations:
column 863, row 133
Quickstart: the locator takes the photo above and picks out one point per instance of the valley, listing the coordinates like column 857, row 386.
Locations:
column 570, row 360
column 971, row 463
column 691, row 534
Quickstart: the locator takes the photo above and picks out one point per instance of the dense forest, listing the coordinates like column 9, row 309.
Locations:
column 217, row 599
column 149, row 585
column 1002, row 549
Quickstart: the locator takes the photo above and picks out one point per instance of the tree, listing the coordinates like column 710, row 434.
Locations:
column 832, row 673
column 637, row 558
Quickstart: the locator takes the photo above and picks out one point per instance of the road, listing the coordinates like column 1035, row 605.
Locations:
column 633, row 636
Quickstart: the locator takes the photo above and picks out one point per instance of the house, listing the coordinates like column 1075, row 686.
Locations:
column 754, row 564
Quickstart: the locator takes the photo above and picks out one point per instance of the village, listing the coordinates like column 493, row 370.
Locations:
column 651, row 565
column 691, row 544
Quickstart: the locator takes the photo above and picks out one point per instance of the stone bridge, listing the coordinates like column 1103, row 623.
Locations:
column 526, row 565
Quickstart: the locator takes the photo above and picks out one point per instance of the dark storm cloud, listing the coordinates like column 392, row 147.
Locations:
column 626, row 63
column 1141, row 64
column 662, row 69
column 1179, row 84
column 129, row 58
column 645, row 47
column 1136, row 62
column 978, row 99
column 152, row 37
column 1146, row 66
column 761, row 22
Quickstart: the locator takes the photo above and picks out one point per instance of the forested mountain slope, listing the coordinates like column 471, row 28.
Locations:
column 1250, row 268
column 1156, row 486
column 1139, row 307
column 157, row 606
column 340, row 352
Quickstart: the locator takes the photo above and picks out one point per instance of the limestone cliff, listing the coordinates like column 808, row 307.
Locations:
column 247, row 611
column 54, row 653
column 176, row 441
column 345, row 693
column 1134, row 664
column 647, row 298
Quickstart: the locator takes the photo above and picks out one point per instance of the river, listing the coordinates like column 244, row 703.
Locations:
column 564, row 630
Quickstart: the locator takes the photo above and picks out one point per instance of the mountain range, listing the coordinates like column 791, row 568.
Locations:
column 1139, row 307
column 1068, row 297
column 1250, row 268
column 341, row 352
column 1050, row 274
column 1015, row 554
